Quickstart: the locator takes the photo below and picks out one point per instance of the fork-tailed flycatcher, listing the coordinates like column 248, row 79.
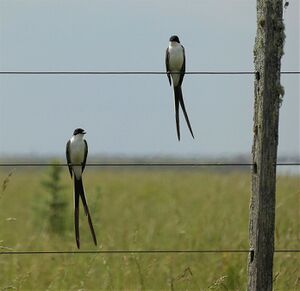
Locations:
column 175, row 62
column 76, row 152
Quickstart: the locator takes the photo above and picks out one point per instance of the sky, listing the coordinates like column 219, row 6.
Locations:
column 134, row 114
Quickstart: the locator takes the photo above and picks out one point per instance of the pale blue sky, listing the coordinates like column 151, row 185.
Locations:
column 134, row 115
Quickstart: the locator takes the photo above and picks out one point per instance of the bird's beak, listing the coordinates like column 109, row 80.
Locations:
column 84, row 132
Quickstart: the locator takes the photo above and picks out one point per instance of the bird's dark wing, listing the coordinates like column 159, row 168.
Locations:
column 85, row 155
column 182, row 70
column 69, row 157
column 167, row 65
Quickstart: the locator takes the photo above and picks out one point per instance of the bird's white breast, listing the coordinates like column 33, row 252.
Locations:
column 175, row 57
column 77, row 153
column 77, row 149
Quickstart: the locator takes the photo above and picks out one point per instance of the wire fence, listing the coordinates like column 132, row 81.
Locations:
column 141, row 164
column 111, row 252
column 136, row 72
column 139, row 252
column 213, row 164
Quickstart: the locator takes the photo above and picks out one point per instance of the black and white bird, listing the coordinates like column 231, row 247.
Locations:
column 175, row 62
column 76, row 152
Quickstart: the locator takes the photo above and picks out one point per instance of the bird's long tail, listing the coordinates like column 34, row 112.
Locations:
column 79, row 191
column 177, row 111
column 179, row 100
column 76, row 213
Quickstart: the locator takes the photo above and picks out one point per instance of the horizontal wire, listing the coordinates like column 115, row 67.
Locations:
column 133, row 72
column 137, row 252
column 217, row 164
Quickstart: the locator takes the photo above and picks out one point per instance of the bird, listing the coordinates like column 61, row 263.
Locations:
column 76, row 154
column 175, row 62
column 286, row 4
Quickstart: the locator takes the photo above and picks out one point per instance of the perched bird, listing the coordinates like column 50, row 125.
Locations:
column 76, row 152
column 175, row 62
column 286, row 4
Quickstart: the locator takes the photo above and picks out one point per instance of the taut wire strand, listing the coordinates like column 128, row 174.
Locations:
column 134, row 72
column 212, row 164
column 139, row 252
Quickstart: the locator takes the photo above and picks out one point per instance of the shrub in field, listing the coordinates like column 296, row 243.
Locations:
column 54, row 205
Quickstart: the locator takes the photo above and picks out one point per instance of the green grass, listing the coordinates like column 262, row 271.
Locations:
column 154, row 209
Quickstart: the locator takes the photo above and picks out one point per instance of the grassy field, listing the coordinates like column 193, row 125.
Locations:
column 145, row 209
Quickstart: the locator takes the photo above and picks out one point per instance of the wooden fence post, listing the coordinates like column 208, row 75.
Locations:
column 268, row 51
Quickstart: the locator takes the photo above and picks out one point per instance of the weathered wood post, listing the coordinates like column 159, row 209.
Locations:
column 268, row 51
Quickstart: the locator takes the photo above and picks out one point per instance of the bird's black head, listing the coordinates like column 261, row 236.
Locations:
column 174, row 38
column 78, row 131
